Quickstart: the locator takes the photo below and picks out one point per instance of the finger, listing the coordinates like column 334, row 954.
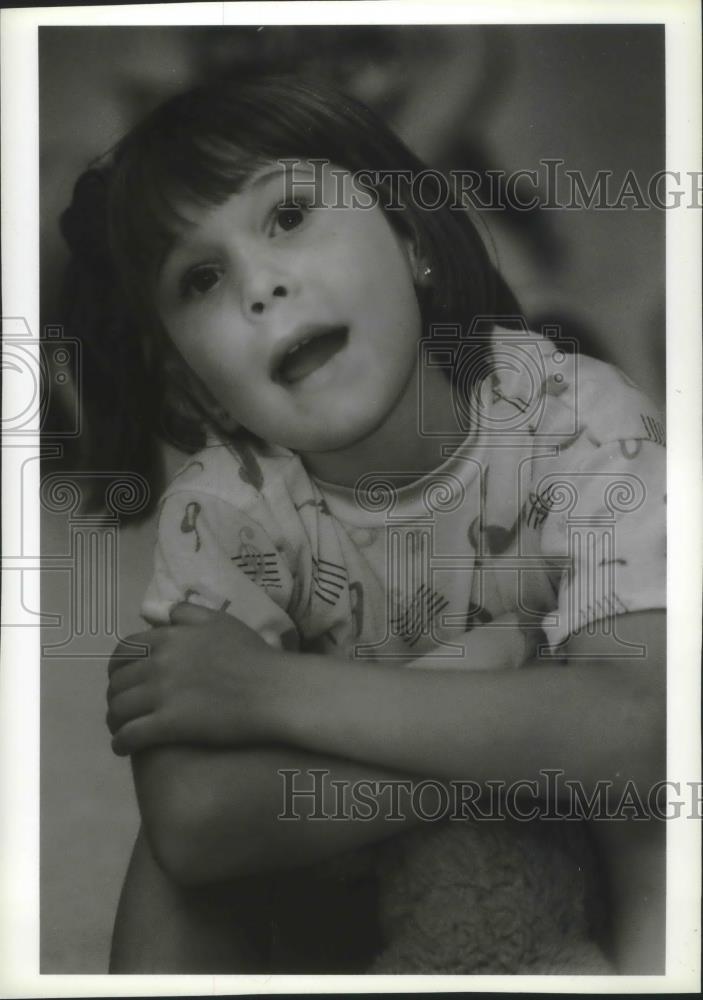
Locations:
column 139, row 734
column 136, row 647
column 191, row 614
column 130, row 705
column 127, row 675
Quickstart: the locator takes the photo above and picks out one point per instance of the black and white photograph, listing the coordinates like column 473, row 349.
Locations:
column 356, row 584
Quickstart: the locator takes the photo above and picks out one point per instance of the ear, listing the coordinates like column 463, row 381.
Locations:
column 420, row 267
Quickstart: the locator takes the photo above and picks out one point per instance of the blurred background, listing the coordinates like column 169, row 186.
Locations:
column 488, row 98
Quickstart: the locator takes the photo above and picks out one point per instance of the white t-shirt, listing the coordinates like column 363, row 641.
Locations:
column 553, row 505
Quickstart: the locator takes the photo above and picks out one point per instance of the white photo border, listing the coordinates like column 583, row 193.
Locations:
column 19, row 678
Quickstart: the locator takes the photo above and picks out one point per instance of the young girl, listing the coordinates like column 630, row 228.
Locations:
column 380, row 468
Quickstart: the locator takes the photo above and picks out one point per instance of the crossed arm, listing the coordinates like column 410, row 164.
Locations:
column 210, row 794
column 210, row 731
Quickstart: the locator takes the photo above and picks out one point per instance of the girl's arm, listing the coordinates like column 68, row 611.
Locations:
column 600, row 721
column 601, row 717
column 213, row 815
column 595, row 720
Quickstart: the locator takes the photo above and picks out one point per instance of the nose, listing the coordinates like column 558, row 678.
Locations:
column 267, row 280
column 259, row 305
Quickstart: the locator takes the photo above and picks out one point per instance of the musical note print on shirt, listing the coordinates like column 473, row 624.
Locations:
column 259, row 567
column 416, row 617
column 192, row 592
column 498, row 538
column 604, row 607
column 328, row 580
column 630, row 447
column 320, row 504
column 189, row 522
column 250, row 471
column 191, row 465
column 654, row 429
column 520, row 404
column 567, row 442
column 476, row 616
column 540, row 506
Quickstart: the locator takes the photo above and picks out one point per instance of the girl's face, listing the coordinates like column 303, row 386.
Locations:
column 302, row 322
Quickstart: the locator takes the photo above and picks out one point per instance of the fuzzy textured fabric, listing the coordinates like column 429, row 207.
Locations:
column 490, row 897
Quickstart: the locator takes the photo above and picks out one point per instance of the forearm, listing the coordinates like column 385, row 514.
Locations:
column 213, row 815
column 594, row 720
column 213, row 812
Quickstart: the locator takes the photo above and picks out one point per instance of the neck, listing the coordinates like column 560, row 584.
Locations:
column 403, row 443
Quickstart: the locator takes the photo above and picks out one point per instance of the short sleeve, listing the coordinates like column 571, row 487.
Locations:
column 211, row 554
column 604, row 509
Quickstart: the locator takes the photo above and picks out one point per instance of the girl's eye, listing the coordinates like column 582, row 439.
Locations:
column 199, row 281
column 290, row 217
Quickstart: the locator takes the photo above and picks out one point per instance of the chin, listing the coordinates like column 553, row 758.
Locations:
column 323, row 444
column 340, row 437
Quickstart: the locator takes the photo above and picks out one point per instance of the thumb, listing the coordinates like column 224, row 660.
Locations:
column 185, row 613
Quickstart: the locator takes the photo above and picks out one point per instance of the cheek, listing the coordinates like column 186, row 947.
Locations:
column 401, row 306
column 203, row 345
column 386, row 295
column 233, row 391
column 395, row 280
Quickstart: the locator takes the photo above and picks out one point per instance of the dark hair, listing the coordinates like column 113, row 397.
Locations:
column 199, row 148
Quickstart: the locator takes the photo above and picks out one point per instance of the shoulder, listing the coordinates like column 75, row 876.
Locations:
column 556, row 392
column 243, row 474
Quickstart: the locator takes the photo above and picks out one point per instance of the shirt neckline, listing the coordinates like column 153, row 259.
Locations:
column 462, row 463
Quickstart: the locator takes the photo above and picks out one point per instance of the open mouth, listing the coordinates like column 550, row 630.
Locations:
column 310, row 352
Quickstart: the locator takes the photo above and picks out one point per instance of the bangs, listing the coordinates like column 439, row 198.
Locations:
column 154, row 187
column 200, row 148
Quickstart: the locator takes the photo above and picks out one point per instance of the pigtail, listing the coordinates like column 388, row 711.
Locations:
column 118, row 417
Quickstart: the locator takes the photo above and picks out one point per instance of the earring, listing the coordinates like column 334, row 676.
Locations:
column 424, row 277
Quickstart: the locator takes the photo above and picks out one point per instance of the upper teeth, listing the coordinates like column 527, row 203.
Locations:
column 296, row 347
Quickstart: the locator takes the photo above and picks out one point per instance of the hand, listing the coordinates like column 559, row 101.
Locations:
column 207, row 678
column 503, row 645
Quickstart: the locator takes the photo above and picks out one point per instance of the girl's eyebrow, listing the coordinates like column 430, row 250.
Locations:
column 280, row 170
column 264, row 176
column 255, row 183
